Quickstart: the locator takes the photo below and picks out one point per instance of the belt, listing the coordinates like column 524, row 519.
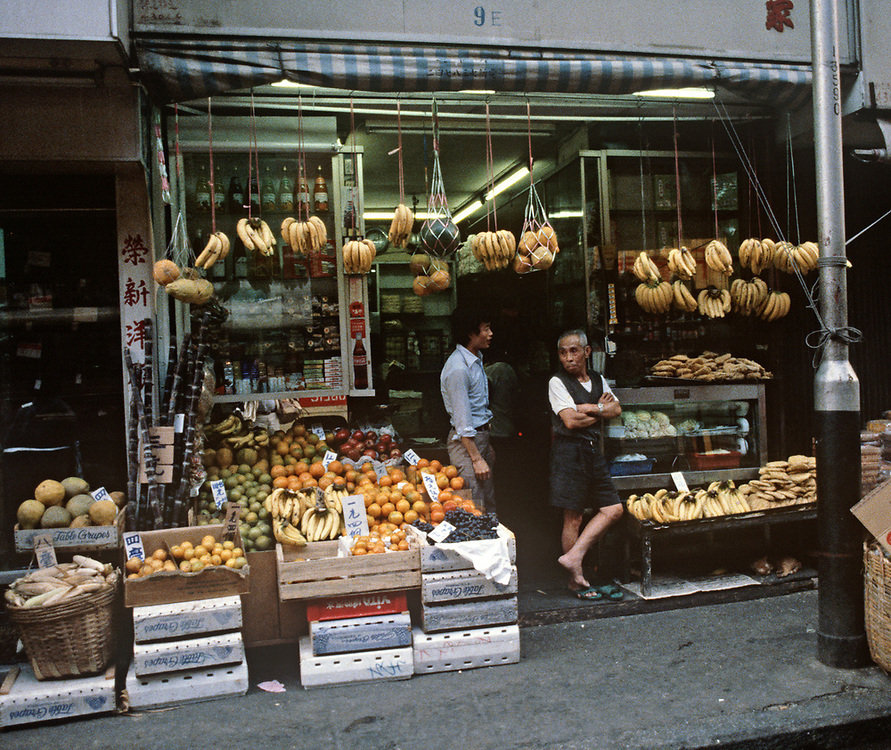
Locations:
column 595, row 444
column 485, row 427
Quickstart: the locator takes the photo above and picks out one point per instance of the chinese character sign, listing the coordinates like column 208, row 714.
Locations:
column 779, row 15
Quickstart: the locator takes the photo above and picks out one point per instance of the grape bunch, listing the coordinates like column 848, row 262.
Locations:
column 468, row 527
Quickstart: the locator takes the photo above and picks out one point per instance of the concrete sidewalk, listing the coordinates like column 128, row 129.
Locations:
column 741, row 674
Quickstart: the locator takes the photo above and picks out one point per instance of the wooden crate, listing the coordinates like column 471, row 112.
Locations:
column 362, row 666
column 187, row 653
column 83, row 539
column 26, row 700
column 436, row 558
column 316, row 571
column 458, row 585
column 475, row 613
column 465, row 649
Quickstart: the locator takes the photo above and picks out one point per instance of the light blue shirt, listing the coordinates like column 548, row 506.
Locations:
column 465, row 392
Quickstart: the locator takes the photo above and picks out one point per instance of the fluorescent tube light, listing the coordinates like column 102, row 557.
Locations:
column 692, row 92
column 568, row 214
column 284, row 83
column 507, row 182
column 467, row 210
column 388, row 215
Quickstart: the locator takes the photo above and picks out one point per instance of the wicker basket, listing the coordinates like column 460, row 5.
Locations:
column 877, row 604
column 74, row 638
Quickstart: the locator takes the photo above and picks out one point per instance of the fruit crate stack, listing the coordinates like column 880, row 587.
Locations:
column 356, row 638
column 467, row 620
column 186, row 651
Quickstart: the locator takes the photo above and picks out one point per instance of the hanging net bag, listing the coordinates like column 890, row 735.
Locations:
column 537, row 247
column 439, row 235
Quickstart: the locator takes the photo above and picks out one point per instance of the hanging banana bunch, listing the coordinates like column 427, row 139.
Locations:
column 358, row 256
column 718, row 258
column 805, row 256
column 304, row 236
column 217, row 248
column 645, row 269
column 748, row 296
column 776, row 306
column 756, row 254
column 256, row 235
column 400, row 227
column 682, row 263
column 682, row 297
column 654, row 296
column 495, row 250
column 713, row 302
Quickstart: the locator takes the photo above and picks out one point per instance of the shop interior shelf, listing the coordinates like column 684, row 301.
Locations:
column 693, row 478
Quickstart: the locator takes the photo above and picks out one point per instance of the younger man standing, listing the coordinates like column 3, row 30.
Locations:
column 579, row 474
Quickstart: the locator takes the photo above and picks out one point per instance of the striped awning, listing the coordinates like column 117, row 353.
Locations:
column 180, row 70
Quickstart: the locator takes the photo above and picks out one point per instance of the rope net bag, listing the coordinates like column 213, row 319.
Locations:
column 538, row 246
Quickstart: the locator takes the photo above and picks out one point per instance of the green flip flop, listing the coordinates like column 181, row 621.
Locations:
column 610, row 591
column 592, row 593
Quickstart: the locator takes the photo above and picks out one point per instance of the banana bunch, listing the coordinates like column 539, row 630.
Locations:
column 217, row 248
column 756, row 254
column 775, row 307
column 718, row 258
column 713, row 302
column 682, row 298
column 255, row 234
column 256, row 438
column 747, row 297
column 654, row 296
column 323, row 519
column 669, row 506
column 400, row 227
column 231, row 425
column 304, row 236
column 285, row 508
column 682, row 263
column 495, row 250
column 358, row 255
column 645, row 269
column 723, row 499
column 805, row 256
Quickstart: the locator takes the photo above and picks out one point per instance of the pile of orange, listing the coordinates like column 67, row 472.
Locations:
column 385, row 538
column 188, row 558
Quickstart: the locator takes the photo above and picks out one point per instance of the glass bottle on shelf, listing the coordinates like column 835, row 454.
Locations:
column 235, row 197
column 285, row 192
column 202, row 190
column 320, row 193
column 241, row 261
column 255, row 192
column 219, row 192
column 301, row 195
column 360, row 365
column 267, row 192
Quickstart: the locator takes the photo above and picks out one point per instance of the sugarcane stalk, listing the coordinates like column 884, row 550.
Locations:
column 182, row 364
column 168, row 382
column 133, row 455
column 148, row 456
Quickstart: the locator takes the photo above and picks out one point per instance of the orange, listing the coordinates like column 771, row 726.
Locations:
column 410, row 516
column 185, row 566
column 456, row 483
column 133, row 565
column 351, row 475
column 216, row 560
column 316, row 469
column 280, row 482
column 304, row 475
column 449, row 504
column 325, row 482
column 395, row 517
column 310, row 482
column 294, row 484
column 225, row 555
column 387, row 508
column 442, row 481
column 371, row 519
column 422, row 463
column 360, row 551
column 300, row 467
column 277, row 471
column 336, row 467
column 435, row 465
column 403, row 544
column 446, row 495
column 160, row 554
column 419, row 507
column 373, row 510
column 283, row 448
column 385, row 481
column 450, row 471
column 436, row 516
column 397, row 476
column 403, row 505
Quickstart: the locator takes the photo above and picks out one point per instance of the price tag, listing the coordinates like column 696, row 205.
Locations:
column 328, row 458
column 431, row 486
column 233, row 511
column 43, row 550
column 441, row 532
column 380, row 470
column 679, row 482
column 318, row 430
column 411, row 457
column 100, row 493
column 179, row 423
column 218, row 488
column 133, row 545
column 354, row 516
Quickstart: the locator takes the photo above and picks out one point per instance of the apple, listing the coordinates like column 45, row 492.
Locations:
column 369, row 443
column 395, row 453
column 382, row 448
column 371, row 435
column 353, row 453
column 385, row 438
column 341, row 435
column 370, row 452
column 358, row 436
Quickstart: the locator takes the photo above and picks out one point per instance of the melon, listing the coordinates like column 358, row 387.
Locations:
column 75, row 486
column 78, row 522
column 225, row 458
column 55, row 517
column 79, row 505
column 29, row 514
column 120, row 499
column 247, row 456
column 50, row 492
column 103, row 512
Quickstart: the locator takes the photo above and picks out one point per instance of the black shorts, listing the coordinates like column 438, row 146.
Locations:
column 580, row 476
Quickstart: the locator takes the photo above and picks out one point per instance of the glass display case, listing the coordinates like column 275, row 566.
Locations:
column 707, row 432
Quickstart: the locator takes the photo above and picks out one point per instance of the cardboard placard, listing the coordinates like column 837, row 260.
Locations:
column 100, row 493
column 133, row 546
column 328, row 458
column 441, row 532
column 680, row 482
column 218, row 488
column 162, row 449
column 354, row 515
column 230, row 525
column 318, row 430
column 431, row 486
column 43, row 550
column 411, row 457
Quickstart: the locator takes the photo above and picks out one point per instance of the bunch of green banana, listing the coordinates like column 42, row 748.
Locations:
column 654, row 296
column 682, row 263
column 805, row 256
column 682, row 298
column 284, row 507
column 718, row 258
column 645, row 269
column 256, row 438
column 776, row 306
column 756, row 254
column 231, row 425
column 748, row 297
column 713, row 302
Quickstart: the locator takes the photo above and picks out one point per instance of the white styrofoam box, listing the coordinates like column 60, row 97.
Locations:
column 187, row 653
column 362, row 666
column 368, row 633
column 183, row 619
column 31, row 700
column 472, row 614
column 455, row 585
column 436, row 558
column 176, row 688
column 465, row 649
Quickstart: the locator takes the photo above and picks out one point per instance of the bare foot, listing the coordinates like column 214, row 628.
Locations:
column 576, row 577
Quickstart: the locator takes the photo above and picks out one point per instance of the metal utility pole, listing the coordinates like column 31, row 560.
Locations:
column 841, row 638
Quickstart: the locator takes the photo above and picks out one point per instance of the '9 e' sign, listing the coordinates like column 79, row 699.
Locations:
column 479, row 16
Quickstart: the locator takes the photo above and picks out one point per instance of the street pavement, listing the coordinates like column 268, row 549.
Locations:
column 741, row 674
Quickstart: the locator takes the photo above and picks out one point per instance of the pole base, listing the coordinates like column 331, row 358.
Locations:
column 843, row 652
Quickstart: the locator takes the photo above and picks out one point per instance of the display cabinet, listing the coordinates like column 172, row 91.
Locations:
column 294, row 320
column 706, row 432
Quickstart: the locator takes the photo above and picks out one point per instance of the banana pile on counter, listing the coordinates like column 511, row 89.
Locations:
column 668, row 506
column 308, row 515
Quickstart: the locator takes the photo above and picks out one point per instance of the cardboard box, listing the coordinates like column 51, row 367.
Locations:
column 30, row 700
column 186, row 619
column 465, row 649
column 316, row 571
column 188, row 686
column 363, row 666
column 874, row 512
column 360, row 634
column 466, row 615
column 360, row 605
column 74, row 540
column 457, row 585
column 167, row 587
column 437, row 558
column 187, row 653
